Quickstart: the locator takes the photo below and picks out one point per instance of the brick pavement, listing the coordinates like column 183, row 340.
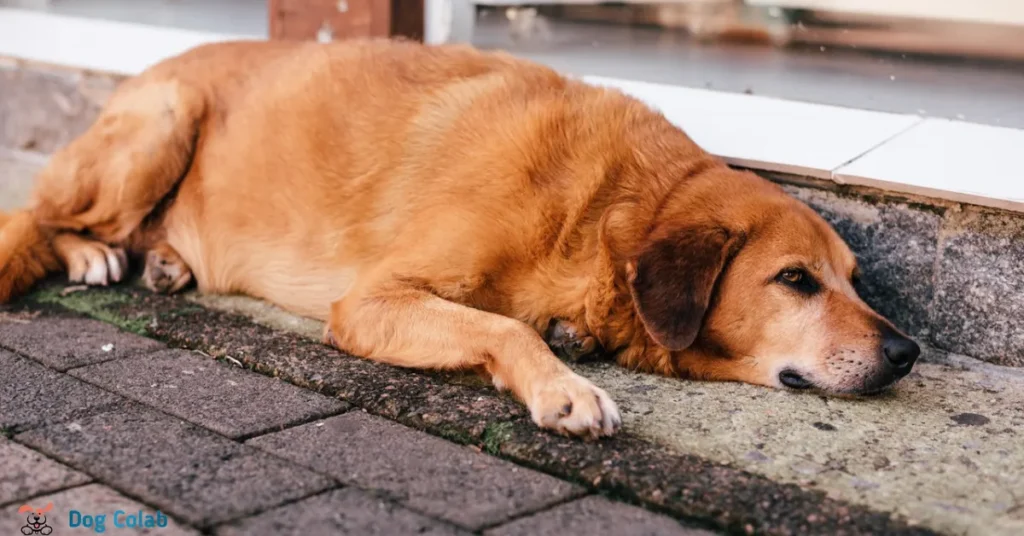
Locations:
column 108, row 423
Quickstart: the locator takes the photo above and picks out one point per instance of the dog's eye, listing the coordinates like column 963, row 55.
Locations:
column 793, row 276
column 798, row 279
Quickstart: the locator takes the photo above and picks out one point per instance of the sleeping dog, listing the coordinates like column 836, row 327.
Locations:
column 440, row 208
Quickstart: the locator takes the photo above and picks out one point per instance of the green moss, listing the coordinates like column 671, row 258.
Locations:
column 495, row 435
column 45, row 294
column 456, row 435
column 98, row 304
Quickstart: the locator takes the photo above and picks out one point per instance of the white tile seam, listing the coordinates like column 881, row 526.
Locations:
column 835, row 173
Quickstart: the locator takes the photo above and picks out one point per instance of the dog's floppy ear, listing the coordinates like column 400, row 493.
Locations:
column 47, row 508
column 26, row 508
column 673, row 279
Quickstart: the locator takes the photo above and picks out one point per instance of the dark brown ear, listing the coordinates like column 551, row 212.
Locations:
column 673, row 279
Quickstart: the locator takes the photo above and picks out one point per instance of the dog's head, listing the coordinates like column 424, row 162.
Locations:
column 742, row 282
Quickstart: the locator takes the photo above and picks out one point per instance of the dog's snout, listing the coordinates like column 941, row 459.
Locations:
column 900, row 352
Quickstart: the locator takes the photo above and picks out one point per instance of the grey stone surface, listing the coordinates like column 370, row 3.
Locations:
column 228, row 400
column 33, row 395
column 594, row 516
column 460, row 485
column 342, row 511
column 24, row 473
column 93, row 500
column 63, row 343
column 182, row 469
column 895, row 246
column 979, row 303
column 42, row 110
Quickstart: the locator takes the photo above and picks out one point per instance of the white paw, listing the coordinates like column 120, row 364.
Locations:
column 97, row 264
column 572, row 405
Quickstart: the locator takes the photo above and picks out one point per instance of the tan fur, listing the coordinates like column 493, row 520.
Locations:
column 439, row 207
column 26, row 254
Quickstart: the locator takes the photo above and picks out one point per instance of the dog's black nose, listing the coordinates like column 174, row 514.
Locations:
column 900, row 352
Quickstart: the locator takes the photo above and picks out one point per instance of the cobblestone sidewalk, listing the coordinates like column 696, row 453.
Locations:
column 195, row 421
column 100, row 421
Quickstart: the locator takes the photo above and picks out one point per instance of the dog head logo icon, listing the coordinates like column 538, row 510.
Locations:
column 35, row 522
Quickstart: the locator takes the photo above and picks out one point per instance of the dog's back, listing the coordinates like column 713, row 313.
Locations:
column 465, row 169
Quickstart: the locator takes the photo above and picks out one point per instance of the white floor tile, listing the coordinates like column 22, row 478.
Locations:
column 765, row 133
column 952, row 160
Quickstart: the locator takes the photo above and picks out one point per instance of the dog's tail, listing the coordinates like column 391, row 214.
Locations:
column 26, row 254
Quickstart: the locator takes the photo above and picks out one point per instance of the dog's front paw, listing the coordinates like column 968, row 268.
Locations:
column 572, row 405
column 166, row 272
column 569, row 341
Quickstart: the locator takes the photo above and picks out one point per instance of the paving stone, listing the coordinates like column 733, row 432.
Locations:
column 460, row 485
column 342, row 511
column 199, row 476
column 225, row 399
column 979, row 303
column 94, row 500
column 33, row 395
column 895, row 246
column 62, row 343
column 24, row 473
column 594, row 516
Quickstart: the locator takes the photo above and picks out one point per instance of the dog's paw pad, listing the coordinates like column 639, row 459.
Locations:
column 166, row 272
column 570, row 342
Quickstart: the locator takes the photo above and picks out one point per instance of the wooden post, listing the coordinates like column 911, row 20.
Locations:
column 327, row 20
column 407, row 19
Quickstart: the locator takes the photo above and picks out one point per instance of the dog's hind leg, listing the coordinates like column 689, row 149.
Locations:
column 166, row 272
column 571, row 342
column 96, row 192
column 109, row 179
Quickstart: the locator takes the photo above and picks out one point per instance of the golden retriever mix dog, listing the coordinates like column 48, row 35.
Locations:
column 440, row 208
